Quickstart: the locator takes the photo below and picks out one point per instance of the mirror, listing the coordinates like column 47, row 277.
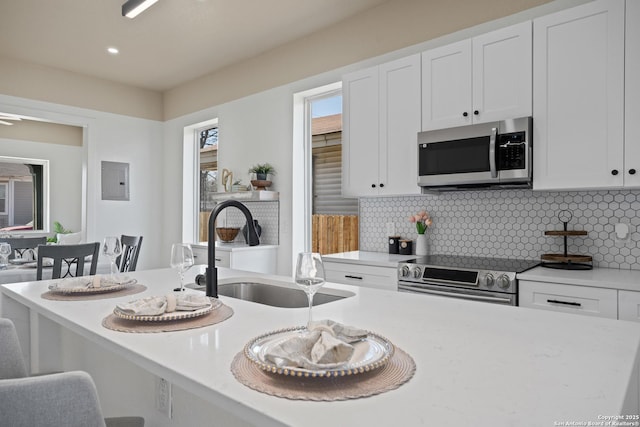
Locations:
column 23, row 194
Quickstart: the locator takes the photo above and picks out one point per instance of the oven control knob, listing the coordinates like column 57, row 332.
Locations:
column 503, row 281
column 404, row 271
column 489, row 280
column 417, row 273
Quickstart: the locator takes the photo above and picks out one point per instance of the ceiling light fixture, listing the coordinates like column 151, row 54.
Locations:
column 2, row 122
column 113, row 50
column 133, row 8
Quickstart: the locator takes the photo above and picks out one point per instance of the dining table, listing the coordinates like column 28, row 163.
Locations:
column 26, row 272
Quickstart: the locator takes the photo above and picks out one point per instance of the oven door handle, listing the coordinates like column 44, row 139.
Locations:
column 456, row 295
column 492, row 153
column 450, row 282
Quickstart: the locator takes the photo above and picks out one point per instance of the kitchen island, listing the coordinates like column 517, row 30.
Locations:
column 477, row 364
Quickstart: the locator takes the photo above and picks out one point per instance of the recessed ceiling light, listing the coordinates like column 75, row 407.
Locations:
column 113, row 50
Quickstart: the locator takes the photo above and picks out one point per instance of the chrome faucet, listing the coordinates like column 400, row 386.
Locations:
column 211, row 273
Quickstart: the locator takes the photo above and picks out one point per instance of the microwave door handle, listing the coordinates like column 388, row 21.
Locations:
column 492, row 153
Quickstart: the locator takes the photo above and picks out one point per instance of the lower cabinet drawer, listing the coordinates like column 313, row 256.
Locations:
column 362, row 275
column 629, row 305
column 584, row 300
column 199, row 255
column 223, row 259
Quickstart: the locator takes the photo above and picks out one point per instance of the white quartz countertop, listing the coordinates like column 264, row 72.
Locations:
column 477, row 364
column 380, row 259
column 610, row 278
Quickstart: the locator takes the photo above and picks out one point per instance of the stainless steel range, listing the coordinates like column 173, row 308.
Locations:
column 490, row 280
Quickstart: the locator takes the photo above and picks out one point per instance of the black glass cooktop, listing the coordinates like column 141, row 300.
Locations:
column 476, row 263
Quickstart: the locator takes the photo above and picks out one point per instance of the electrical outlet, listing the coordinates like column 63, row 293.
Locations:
column 163, row 397
column 621, row 231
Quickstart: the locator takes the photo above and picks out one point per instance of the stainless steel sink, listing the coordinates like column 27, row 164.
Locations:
column 276, row 295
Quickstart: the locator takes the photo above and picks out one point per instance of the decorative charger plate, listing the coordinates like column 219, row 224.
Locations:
column 175, row 315
column 20, row 261
column 370, row 353
column 102, row 289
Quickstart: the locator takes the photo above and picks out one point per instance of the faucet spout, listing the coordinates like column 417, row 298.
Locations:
column 252, row 236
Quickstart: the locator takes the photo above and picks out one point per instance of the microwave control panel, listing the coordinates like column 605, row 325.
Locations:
column 512, row 151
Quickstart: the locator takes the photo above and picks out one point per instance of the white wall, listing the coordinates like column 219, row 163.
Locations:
column 108, row 137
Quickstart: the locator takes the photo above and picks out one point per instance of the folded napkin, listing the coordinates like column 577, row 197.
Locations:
column 327, row 344
column 116, row 280
column 155, row 306
column 90, row 282
column 46, row 262
column 83, row 282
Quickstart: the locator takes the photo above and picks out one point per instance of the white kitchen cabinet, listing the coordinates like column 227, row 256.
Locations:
column 632, row 96
column 260, row 259
column 381, row 119
column 487, row 78
column 590, row 301
column 376, row 277
column 629, row 305
column 578, row 80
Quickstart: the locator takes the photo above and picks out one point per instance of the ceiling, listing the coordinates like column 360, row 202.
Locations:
column 171, row 43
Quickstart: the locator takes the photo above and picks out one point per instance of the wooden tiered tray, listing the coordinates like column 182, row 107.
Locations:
column 566, row 261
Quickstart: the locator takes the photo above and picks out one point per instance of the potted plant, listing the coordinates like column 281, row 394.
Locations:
column 262, row 170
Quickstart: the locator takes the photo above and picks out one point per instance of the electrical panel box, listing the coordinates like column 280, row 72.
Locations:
column 115, row 181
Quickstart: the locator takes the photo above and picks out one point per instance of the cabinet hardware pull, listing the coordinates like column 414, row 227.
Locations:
column 373, row 186
column 348, row 276
column 632, row 171
column 218, row 259
column 614, row 172
column 465, row 114
column 555, row 301
column 476, row 112
column 381, row 185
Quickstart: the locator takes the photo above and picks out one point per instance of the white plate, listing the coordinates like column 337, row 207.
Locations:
column 176, row 315
column 102, row 289
column 370, row 353
column 20, row 261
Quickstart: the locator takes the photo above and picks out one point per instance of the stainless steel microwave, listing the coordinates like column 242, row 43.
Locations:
column 485, row 155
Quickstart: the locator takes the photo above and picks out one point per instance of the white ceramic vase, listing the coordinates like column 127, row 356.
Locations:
column 422, row 245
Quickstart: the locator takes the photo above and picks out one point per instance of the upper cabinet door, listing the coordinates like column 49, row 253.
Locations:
column 360, row 133
column 578, row 80
column 632, row 96
column 399, row 125
column 446, row 86
column 502, row 72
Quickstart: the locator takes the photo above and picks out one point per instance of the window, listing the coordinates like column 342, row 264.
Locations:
column 208, row 176
column 23, row 196
column 3, row 198
column 334, row 218
column 208, row 167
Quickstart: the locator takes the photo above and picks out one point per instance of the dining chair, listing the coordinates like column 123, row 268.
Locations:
column 19, row 245
column 69, row 260
column 130, row 251
column 60, row 399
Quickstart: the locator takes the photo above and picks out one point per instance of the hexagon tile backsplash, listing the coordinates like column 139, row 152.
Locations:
column 511, row 223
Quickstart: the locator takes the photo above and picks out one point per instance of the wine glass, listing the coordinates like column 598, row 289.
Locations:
column 112, row 248
column 310, row 275
column 181, row 260
column 5, row 251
